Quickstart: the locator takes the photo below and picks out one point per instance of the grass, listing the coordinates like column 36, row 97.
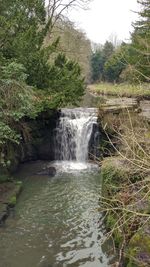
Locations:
column 126, row 90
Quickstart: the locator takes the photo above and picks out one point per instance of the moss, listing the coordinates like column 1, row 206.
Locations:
column 12, row 201
column 110, row 222
column 13, row 198
column 139, row 249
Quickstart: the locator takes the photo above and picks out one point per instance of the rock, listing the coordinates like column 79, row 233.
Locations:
column 37, row 142
column 50, row 171
column 9, row 192
column 3, row 217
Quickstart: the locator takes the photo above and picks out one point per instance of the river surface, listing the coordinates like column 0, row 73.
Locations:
column 56, row 222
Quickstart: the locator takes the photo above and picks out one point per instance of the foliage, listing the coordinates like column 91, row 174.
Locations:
column 14, row 71
column 97, row 65
column 104, row 65
column 23, row 32
column 108, row 50
column 22, row 38
column 7, row 134
column 25, row 66
column 16, row 101
column 16, row 98
column 129, row 62
column 66, row 86
column 116, row 64
column 141, row 43
column 66, row 82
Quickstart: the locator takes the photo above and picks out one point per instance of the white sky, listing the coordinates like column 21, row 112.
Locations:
column 105, row 18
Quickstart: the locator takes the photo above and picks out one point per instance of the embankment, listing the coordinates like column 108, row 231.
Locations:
column 125, row 194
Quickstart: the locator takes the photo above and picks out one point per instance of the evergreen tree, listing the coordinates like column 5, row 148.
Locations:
column 25, row 65
column 141, row 42
column 22, row 32
column 108, row 50
column 99, row 59
column 116, row 64
column 97, row 65
column 23, row 29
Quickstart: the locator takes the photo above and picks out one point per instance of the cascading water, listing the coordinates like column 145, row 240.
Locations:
column 57, row 221
column 73, row 134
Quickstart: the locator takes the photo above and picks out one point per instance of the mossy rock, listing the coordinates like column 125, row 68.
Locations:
column 9, row 192
column 139, row 248
column 12, row 200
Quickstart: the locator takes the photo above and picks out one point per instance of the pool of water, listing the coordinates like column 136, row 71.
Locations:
column 56, row 222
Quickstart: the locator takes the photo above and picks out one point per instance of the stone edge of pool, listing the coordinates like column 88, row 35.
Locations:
column 9, row 193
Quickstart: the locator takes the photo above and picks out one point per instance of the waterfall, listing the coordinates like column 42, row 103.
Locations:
column 73, row 133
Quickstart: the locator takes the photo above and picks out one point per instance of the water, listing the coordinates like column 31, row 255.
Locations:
column 74, row 131
column 57, row 222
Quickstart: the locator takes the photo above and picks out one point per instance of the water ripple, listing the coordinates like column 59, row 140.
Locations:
column 57, row 223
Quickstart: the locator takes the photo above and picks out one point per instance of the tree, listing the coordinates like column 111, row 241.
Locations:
column 108, row 50
column 21, row 39
column 24, row 27
column 56, row 8
column 19, row 22
column 97, row 65
column 98, row 60
column 73, row 43
column 141, row 42
column 116, row 64
column 65, row 92
column 16, row 101
column 25, row 66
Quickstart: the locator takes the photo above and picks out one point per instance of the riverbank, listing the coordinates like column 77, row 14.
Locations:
column 125, row 199
column 125, row 191
column 140, row 91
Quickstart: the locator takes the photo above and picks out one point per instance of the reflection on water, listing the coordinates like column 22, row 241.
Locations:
column 56, row 221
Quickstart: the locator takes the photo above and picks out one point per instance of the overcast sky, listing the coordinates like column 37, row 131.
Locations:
column 105, row 18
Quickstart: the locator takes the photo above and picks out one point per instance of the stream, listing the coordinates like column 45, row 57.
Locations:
column 57, row 220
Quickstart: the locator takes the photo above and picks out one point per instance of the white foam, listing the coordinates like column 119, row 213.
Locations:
column 74, row 166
